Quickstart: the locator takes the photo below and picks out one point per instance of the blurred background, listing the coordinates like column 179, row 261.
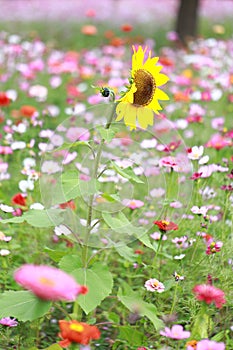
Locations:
column 65, row 23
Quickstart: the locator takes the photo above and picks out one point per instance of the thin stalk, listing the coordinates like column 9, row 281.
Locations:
column 91, row 198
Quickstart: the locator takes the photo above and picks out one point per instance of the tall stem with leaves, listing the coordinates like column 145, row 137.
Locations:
column 91, row 198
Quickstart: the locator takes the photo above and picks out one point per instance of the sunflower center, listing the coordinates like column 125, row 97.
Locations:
column 145, row 85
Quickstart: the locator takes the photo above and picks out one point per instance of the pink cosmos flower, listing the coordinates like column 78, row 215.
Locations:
column 77, row 134
column 154, row 285
column 210, row 294
column 48, row 283
column 176, row 332
column 8, row 322
column 133, row 203
column 218, row 142
column 206, row 344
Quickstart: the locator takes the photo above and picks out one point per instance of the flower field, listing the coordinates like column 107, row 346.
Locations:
column 116, row 202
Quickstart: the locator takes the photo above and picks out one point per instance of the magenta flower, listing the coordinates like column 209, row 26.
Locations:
column 209, row 294
column 206, row 344
column 48, row 283
column 214, row 247
column 153, row 285
column 8, row 322
column 176, row 332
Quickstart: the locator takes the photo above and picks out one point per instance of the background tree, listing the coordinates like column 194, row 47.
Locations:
column 187, row 19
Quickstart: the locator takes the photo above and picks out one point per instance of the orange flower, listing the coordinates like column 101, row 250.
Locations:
column 89, row 30
column 27, row 111
column 77, row 332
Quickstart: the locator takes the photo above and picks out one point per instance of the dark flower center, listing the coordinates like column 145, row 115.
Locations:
column 145, row 85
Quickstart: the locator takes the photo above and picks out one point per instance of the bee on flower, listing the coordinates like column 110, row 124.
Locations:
column 178, row 277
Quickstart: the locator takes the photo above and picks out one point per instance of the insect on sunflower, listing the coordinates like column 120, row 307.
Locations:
column 140, row 101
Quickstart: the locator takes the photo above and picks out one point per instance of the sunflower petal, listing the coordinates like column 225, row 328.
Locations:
column 161, row 79
column 161, row 95
column 120, row 110
column 145, row 117
column 130, row 116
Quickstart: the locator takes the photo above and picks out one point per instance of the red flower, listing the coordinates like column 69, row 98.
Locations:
column 126, row 28
column 70, row 204
column 166, row 225
column 77, row 332
column 4, row 99
column 210, row 294
column 19, row 199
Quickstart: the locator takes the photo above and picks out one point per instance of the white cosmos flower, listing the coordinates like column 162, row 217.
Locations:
column 25, row 185
column 18, row 145
column 40, row 92
column 37, row 206
column 6, row 208
column 62, row 229
column 195, row 152
column 4, row 252
column 204, row 160
column 50, row 167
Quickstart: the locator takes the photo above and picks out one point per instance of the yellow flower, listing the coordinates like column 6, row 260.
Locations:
column 140, row 101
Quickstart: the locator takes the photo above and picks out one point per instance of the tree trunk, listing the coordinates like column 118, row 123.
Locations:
column 186, row 24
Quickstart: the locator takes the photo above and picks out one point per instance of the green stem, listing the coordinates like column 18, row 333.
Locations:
column 174, row 299
column 91, row 198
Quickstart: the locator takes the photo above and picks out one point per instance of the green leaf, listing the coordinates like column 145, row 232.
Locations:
column 121, row 225
column 106, row 134
column 111, row 197
column 126, row 252
column 54, row 347
column 70, row 263
column 55, row 255
column 202, row 326
column 69, row 186
column 23, row 305
column 39, row 218
column 68, row 145
column 99, row 281
column 127, row 173
column 132, row 336
column 134, row 303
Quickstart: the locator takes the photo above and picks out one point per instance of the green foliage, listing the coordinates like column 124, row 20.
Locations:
column 132, row 336
column 38, row 218
column 23, row 305
column 135, row 304
column 127, row 173
column 99, row 281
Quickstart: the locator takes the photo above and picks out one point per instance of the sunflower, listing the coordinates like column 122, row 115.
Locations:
column 140, row 101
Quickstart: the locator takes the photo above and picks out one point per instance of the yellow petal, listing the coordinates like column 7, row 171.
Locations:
column 120, row 110
column 145, row 117
column 161, row 79
column 137, row 58
column 130, row 116
column 161, row 95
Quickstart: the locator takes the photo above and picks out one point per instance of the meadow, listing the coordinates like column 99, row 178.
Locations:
column 116, row 227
